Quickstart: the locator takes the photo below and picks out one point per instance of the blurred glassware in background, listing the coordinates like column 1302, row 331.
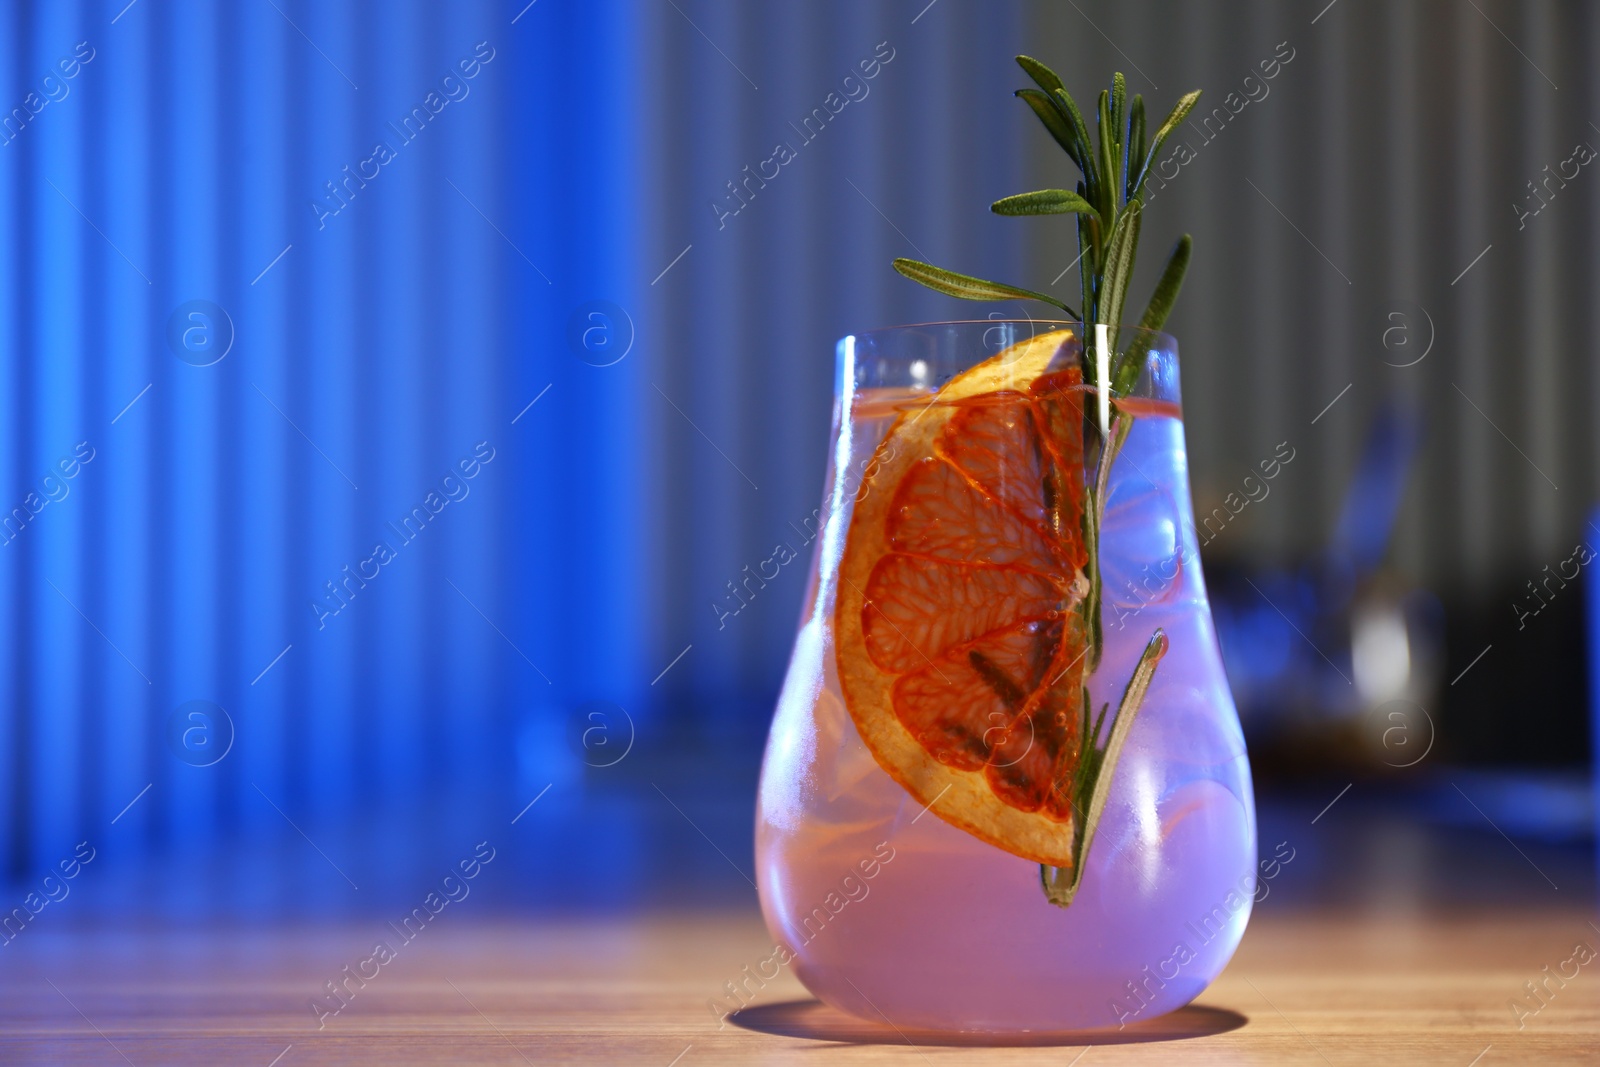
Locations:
column 1338, row 661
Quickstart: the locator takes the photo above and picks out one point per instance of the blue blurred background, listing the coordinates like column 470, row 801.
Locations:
column 278, row 278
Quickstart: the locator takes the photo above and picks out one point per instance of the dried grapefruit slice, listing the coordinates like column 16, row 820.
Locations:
column 958, row 625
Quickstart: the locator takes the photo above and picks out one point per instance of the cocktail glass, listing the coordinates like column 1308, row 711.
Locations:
column 887, row 911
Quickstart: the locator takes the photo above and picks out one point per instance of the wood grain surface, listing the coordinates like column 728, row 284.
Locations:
column 1305, row 988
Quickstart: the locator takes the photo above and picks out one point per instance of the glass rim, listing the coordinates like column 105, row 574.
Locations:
column 1159, row 335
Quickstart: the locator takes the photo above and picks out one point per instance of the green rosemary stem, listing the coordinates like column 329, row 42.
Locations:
column 1107, row 205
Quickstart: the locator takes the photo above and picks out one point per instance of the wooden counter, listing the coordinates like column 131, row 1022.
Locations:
column 1305, row 988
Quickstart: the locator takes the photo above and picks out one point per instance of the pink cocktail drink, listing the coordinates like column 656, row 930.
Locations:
column 892, row 913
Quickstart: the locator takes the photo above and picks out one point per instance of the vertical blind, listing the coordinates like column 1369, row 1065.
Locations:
column 287, row 286
column 604, row 272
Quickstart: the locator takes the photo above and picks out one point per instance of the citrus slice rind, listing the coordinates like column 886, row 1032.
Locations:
column 959, row 632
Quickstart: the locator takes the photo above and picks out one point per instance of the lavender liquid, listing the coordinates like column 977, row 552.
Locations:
column 892, row 913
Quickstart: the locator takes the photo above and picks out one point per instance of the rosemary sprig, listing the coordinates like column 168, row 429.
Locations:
column 1091, row 785
column 1108, row 204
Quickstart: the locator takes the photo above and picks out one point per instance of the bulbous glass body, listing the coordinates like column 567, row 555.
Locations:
column 891, row 913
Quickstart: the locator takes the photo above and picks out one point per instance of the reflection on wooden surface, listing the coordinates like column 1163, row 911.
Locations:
column 819, row 1022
